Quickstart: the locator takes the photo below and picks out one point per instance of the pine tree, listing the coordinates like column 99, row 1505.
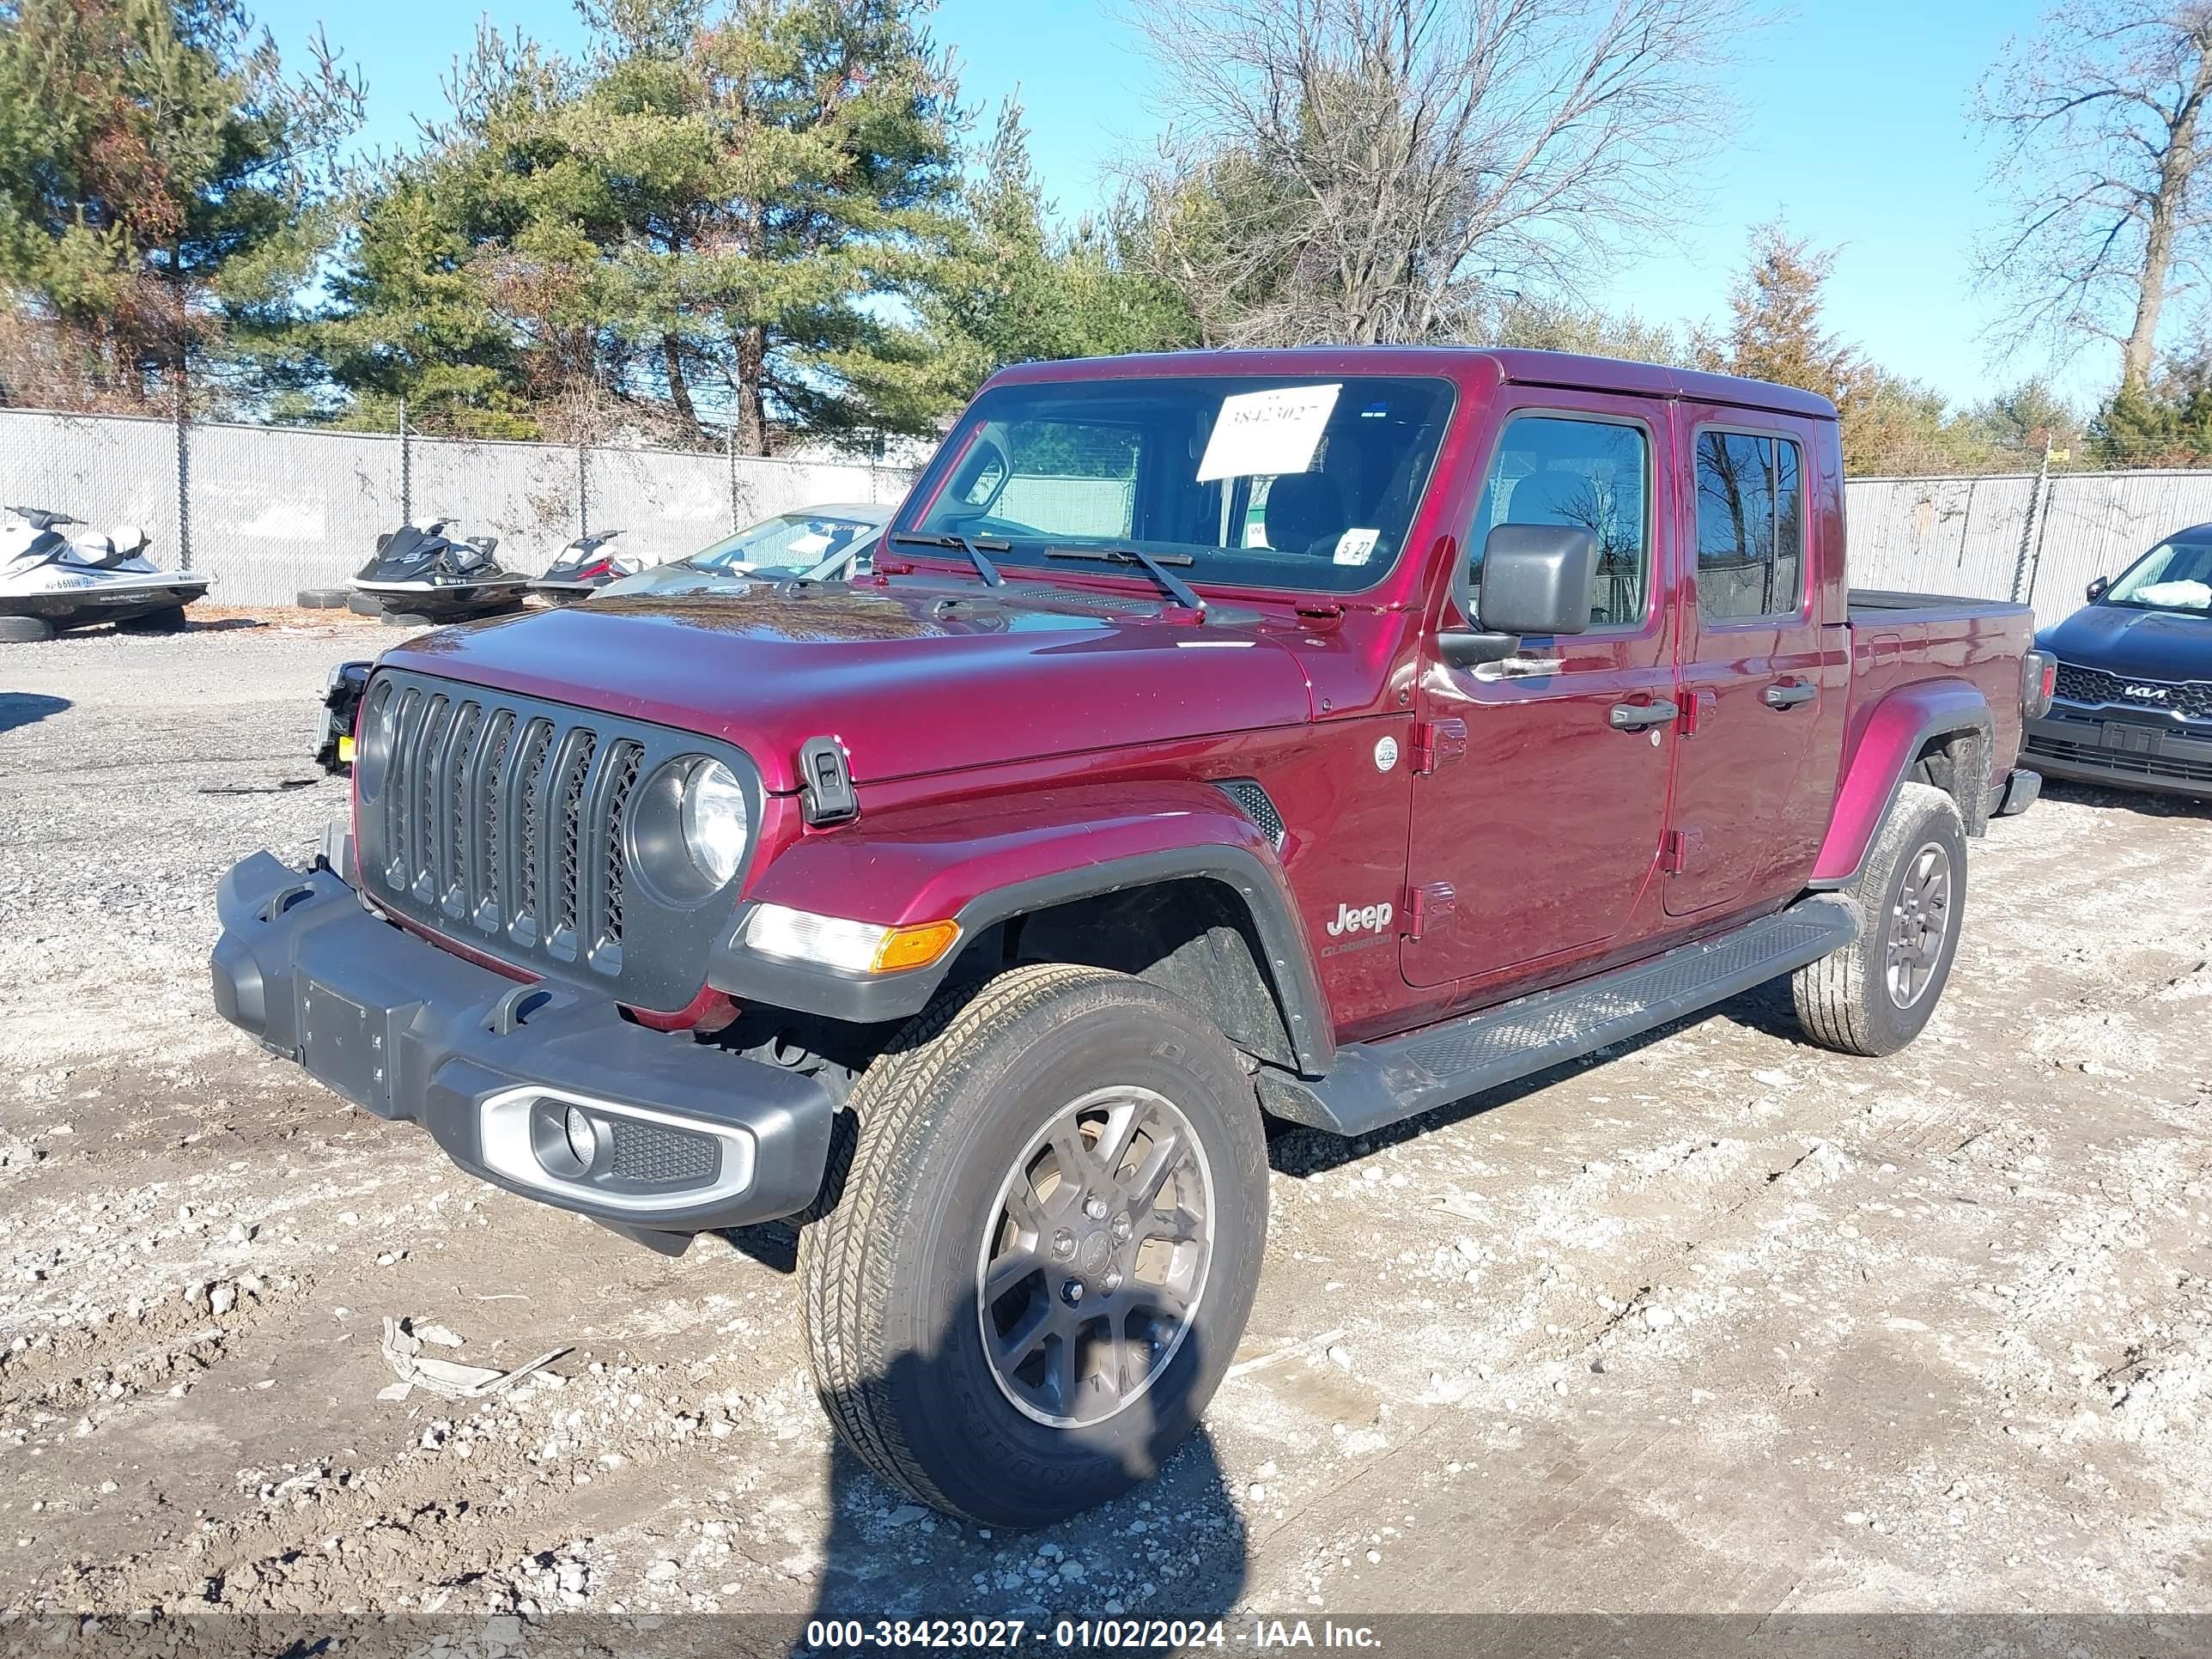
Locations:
column 1021, row 291
column 725, row 214
column 163, row 189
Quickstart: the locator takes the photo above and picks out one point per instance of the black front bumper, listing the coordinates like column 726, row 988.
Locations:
column 2153, row 751
column 689, row 1137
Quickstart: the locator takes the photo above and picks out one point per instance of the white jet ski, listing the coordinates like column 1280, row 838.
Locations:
column 421, row 571
column 58, row 572
column 586, row 565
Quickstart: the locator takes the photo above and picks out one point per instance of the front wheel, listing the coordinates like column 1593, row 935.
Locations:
column 1873, row 995
column 1037, row 1264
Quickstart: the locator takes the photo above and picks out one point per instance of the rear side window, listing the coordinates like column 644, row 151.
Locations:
column 1553, row 469
column 1751, row 538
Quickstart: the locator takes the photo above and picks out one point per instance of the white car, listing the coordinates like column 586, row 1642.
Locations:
column 816, row 543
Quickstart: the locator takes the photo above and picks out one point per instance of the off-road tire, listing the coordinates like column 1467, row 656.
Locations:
column 22, row 630
column 169, row 619
column 889, row 1271
column 1844, row 1001
column 363, row 605
column 324, row 598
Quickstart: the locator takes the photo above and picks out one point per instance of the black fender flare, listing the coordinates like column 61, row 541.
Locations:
column 877, row 998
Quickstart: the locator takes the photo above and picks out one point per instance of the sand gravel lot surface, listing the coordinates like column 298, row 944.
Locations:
column 1716, row 1322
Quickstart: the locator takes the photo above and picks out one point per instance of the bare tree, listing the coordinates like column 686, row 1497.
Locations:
column 1384, row 170
column 2100, row 114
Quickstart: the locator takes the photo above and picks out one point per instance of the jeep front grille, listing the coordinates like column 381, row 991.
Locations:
column 506, row 822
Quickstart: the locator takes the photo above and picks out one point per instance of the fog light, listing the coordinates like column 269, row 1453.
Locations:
column 583, row 1139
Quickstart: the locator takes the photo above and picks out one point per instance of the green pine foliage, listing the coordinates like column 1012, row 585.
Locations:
column 1020, row 290
column 164, row 193
column 723, row 217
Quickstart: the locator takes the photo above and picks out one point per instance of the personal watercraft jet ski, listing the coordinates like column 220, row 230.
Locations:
column 52, row 576
column 421, row 571
column 586, row 565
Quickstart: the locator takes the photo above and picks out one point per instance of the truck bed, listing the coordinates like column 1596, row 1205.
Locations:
column 1898, row 638
column 1885, row 605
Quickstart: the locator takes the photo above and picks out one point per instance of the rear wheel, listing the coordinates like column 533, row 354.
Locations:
column 169, row 619
column 1873, row 996
column 1040, row 1257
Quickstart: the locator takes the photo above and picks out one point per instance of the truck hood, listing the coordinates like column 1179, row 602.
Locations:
column 2152, row 645
column 913, row 679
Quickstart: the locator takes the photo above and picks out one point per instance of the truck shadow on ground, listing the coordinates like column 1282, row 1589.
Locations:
column 19, row 709
column 1173, row 1547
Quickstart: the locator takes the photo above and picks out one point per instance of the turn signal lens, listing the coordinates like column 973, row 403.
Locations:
column 916, row 946
column 850, row 947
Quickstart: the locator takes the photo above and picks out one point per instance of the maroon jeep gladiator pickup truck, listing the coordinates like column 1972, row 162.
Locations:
column 1325, row 735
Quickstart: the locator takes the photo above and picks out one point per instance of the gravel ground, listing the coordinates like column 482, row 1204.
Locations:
column 1724, row 1323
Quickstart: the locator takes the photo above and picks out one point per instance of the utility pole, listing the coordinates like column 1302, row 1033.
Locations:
column 183, row 415
column 184, row 407
column 2019, row 576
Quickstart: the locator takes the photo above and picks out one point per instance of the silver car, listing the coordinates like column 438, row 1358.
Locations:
column 816, row 543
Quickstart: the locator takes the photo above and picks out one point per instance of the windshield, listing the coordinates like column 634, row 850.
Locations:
column 2175, row 577
column 789, row 541
column 1247, row 480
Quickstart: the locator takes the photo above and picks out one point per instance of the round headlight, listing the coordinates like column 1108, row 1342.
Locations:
column 715, row 823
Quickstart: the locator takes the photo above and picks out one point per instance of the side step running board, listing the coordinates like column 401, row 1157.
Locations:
column 1376, row 1084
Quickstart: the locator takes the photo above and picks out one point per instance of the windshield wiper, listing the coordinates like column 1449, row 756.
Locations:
column 1172, row 585
column 974, row 550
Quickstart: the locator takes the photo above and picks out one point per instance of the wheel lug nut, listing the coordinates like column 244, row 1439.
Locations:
column 1112, row 1282
column 1072, row 1290
column 1094, row 1207
column 1121, row 1230
column 1063, row 1243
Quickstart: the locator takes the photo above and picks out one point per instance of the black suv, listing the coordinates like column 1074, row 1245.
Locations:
column 2134, row 697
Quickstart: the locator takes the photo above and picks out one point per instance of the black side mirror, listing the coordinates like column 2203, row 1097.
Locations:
column 2099, row 588
column 1536, row 578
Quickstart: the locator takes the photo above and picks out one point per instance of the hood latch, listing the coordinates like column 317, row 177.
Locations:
column 825, row 788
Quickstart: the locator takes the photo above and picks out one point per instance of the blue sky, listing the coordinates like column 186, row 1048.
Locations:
column 1852, row 128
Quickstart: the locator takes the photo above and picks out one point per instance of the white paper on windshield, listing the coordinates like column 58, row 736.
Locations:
column 2181, row 595
column 812, row 542
column 1356, row 546
column 1267, row 433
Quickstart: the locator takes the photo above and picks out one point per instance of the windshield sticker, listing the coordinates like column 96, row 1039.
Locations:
column 1356, row 546
column 1267, row 433
column 812, row 542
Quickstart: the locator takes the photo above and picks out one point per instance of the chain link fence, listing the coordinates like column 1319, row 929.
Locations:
column 2035, row 539
column 268, row 510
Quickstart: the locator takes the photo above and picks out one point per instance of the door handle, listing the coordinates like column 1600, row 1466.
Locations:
column 1641, row 716
column 1788, row 694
